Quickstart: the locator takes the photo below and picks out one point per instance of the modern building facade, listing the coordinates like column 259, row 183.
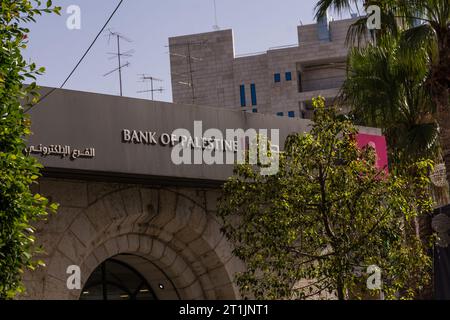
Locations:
column 281, row 81
column 137, row 225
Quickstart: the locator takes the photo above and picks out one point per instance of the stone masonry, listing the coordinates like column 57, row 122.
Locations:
column 174, row 228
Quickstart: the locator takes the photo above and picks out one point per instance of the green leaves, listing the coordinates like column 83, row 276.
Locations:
column 19, row 208
column 385, row 89
column 402, row 76
column 328, row 210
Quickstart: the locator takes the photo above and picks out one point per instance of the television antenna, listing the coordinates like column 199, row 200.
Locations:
column 119, row 54
column 216, row 24
column 190, row 60
column 150, row 79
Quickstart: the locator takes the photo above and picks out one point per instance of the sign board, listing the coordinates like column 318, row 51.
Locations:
column 109, row 135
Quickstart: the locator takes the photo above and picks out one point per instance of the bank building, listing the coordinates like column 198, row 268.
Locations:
column 137, row 225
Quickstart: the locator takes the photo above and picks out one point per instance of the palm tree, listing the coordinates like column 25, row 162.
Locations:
column 419, row 25
column 384, row 88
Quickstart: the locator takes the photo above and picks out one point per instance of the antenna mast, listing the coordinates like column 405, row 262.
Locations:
column 119, row 55
column 147, row 78
column 189, row 62
column 216, row 25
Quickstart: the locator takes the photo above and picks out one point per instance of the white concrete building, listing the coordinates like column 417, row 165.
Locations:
column 282, row 81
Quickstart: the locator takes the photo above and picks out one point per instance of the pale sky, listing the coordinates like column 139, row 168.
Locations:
column 257, row 25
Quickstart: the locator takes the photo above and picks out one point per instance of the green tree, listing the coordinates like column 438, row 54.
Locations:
column 19, row 208
column 327, row 212
column 423, row 24
column 401, row 105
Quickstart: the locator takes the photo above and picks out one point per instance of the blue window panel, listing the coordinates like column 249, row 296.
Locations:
column 291, row 114
column 253, row 93
column 280, row 114
column 243, row 102
column 323, row 25
column 254, row 110
column 288, row 76
column 277, row 77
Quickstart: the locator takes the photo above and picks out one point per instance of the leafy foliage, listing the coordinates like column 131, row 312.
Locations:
column 18, row 206
column 385, row 89
column 419, row 27
column 327, row 213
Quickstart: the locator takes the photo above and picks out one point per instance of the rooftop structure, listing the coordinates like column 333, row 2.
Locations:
column 282, row 81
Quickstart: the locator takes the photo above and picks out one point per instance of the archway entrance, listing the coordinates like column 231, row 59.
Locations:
column 128, row 277
column 170, row 237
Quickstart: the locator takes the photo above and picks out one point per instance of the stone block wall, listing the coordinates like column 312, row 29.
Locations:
column 174, row 228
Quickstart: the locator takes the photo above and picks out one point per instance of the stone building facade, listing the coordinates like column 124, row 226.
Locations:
column 127, row 205
column 170, row 235
column 281, row 81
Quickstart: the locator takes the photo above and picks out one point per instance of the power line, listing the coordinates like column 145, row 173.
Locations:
column 81, row 59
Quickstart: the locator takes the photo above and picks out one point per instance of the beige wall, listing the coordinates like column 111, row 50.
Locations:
column 211, row 58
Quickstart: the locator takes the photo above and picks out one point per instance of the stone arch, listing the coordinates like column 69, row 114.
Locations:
column 176, row 271
column 174, row 228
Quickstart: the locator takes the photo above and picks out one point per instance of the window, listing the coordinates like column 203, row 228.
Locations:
column 277, row 77
column 254, row 110
column 253, row 94
column 280, row 114
column 299, row 81
column 116, row 280
column 243, row 102
column 323, row 25
column 291, row 114
column 303, row 115
column 288, row 76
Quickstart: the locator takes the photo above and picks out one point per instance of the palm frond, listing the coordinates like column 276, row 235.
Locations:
column 421, row 140
column 339, row 6
column 357, row 33
column 417, row 37
column 385, row 88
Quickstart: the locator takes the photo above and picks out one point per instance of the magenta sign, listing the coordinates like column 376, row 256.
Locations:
column 379, row 144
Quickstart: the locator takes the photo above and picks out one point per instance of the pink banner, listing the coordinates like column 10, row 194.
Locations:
column 379, row 144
